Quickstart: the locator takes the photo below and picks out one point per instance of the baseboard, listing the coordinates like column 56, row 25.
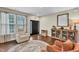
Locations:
column 9, row 42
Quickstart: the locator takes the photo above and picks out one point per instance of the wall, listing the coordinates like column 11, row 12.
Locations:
column 31, row 18
column 46, row 22
column 28, row 17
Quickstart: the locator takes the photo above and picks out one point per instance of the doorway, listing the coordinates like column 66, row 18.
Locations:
column 34, row 27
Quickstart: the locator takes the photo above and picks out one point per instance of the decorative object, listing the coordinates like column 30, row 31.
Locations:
column 70, row 24
column 53, row 27
column 62, row 27
column 44, row 33
column 70, row 27
column 63, row 20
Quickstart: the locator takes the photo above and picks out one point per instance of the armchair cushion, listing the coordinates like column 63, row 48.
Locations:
column 22, row 37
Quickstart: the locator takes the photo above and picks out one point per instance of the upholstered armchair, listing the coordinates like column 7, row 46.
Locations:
column 22, row 37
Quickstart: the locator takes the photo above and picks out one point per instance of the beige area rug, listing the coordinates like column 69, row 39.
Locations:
column 30, row 46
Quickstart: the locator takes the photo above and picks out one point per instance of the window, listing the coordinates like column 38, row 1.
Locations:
column 8, row 23
column 0, row 24
column 8, row 26
column 3, row 23
column 11, row 23
column 11, row 18
column 11, row 27
column 20, row 22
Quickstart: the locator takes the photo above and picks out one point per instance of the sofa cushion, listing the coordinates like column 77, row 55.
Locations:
column 58, row 43
column 53, row 48
column 68, row 45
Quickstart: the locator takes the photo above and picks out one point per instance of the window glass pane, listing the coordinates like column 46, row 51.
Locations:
column 0, row 19
column 3, row 23
column 21, row 27
column 20, row 22
column 11, row 23
column 7, row 23
column 11, row 18
column 11, row 27
column 0, row 24
column 1, row 29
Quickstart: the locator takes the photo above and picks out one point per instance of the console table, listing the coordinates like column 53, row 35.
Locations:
column 65, row 34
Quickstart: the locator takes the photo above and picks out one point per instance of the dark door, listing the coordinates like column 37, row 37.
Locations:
column 34, row 27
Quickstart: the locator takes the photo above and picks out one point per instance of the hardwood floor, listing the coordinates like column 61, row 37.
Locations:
column 5, row 46
column 47, row 39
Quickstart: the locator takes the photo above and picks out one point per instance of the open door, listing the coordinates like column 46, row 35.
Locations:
column 34, row 27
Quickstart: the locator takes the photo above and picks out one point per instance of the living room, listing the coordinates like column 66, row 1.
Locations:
column 39, row 29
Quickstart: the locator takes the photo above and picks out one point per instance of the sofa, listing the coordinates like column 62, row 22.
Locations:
column 67, row 46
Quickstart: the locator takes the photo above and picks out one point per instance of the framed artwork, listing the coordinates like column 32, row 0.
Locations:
column 63, row 20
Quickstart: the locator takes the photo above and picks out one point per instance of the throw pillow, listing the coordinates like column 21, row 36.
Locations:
column 68, row 45
column 58, row 43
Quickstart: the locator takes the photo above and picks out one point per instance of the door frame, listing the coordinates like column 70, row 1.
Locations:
column 38, row 25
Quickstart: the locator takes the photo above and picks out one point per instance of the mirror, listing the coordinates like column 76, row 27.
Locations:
column 63, row 20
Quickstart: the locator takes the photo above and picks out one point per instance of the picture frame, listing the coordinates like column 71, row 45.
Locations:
column 63, row 20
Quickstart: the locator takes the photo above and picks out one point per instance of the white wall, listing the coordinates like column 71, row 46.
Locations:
column 31, row 18
column 46, row 22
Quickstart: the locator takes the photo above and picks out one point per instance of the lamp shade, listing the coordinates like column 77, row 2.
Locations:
column 75, row 21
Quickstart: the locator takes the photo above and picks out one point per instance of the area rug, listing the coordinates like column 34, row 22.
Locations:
column 30, row 46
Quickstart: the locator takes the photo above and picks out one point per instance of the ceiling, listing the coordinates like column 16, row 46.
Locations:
column 41, row 11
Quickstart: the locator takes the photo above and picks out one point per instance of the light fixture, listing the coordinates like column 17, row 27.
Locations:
column 75, row 21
